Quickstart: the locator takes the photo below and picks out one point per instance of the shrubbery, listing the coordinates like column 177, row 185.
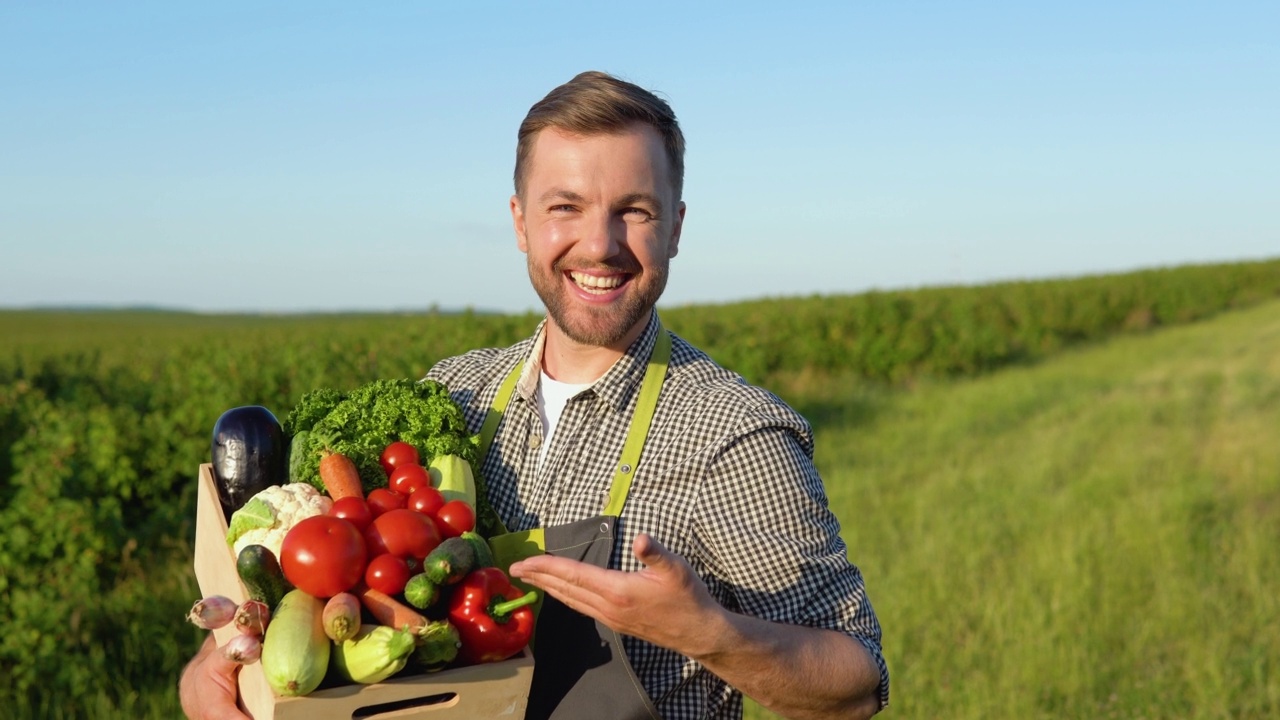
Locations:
column 954, row 331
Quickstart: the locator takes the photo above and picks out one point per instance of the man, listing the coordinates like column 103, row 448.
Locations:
column 670, row 512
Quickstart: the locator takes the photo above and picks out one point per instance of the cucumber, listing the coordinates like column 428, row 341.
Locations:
column 421, row 591
column 483, row 554
column 295, row 650
column 260, row 572
column 450, row 561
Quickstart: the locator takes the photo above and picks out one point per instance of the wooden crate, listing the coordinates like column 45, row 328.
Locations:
column 493, row 690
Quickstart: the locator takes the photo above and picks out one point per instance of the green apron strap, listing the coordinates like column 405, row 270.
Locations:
column 492, row 420
column 640, row 421
column 650, row 389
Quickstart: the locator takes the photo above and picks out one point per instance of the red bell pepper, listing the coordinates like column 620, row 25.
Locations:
column 493, row 616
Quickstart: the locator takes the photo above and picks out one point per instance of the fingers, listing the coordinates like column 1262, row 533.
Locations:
column 208, row 689
column 568, row 578
column 553, row 574
column 576, row 584
column 217, row 665
column 651, row 552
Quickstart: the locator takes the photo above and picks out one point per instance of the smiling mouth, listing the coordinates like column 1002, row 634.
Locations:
column 597, row 284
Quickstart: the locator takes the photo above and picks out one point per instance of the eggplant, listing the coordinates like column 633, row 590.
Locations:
column 249, row 455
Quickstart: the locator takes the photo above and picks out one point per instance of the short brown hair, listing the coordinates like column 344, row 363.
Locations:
column 593, row 103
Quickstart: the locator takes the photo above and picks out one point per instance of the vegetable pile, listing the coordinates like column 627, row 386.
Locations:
column 367, row 557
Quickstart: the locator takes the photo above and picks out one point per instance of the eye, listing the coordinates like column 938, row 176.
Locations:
column 561, row 208
column 637, row 213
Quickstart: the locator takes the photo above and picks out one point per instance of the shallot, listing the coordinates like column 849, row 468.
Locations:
column 252, row 617
column 212, row 612
column 244, row 649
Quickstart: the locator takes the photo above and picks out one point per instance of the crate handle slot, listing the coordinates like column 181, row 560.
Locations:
column 400, row 707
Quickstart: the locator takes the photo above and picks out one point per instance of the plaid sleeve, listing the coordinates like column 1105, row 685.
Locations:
column 765, row 528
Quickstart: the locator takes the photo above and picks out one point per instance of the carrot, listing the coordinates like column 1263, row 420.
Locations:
column 339, row 475
column 341, row 617
column 388, row 610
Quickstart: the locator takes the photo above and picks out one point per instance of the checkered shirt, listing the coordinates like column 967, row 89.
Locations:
column 726, row 480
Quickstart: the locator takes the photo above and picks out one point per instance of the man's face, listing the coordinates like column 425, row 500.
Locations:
column 599, row 222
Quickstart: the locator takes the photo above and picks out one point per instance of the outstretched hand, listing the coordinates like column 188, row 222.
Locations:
column 665, row 603
column 208, row 688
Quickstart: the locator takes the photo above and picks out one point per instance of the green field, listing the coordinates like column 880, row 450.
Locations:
column 1080, row 526
column 1094, row 537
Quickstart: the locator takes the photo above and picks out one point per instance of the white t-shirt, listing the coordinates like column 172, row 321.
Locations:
column 552, row 396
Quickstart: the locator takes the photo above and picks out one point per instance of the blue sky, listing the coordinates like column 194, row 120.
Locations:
column 317, row 156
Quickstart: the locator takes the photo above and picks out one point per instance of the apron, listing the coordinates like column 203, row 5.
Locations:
column 580, row 669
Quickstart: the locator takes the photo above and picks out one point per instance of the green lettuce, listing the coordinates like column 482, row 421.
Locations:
column 360, row 423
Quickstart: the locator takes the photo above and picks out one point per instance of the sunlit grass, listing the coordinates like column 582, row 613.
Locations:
column 1092, row 537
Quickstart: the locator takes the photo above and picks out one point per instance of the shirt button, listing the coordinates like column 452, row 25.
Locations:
column 534, row 441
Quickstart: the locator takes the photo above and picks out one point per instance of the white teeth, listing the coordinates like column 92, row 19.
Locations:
column 595, row 283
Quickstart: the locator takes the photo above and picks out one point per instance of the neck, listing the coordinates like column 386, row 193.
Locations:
column 569, row 361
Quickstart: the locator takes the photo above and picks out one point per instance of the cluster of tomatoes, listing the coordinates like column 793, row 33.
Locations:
column 379, row 539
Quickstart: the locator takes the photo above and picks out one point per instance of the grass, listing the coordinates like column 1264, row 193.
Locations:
column 1092, row 537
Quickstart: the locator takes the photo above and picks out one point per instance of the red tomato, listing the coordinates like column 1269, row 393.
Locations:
column 387, row 573
column 354, row 510
column 455, row 518
column 396, row 454
column 427, row 501
column 323, row 556
column 407, row 478
column 403, row 533
column 381, row 500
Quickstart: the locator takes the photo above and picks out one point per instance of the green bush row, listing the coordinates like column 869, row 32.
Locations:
column 962, row 330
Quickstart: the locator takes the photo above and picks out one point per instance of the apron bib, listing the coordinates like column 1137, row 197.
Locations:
column 581, row 670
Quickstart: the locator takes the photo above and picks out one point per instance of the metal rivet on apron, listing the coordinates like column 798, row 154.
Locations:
column 625, row 468
column 534, row 441
column 604, row 527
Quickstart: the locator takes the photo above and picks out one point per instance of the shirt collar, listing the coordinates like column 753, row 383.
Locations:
column 616, row 386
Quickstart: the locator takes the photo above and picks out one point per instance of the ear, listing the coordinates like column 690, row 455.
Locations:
column 517, row 222
column 673, row 247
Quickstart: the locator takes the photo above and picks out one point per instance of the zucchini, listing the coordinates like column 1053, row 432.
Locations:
column 452, row 476
column 295, row 650
column 376, row 653
column 260, row 572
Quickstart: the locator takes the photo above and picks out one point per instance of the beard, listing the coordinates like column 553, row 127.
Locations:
column 599, row 326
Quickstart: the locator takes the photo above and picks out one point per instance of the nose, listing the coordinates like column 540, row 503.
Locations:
column 603, row 235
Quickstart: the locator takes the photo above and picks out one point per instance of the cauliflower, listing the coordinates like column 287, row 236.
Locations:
column 267, row 517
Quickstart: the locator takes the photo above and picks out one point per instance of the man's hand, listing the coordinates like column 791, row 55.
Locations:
column 797, row 672
column 665, row 603
column 208, row 688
